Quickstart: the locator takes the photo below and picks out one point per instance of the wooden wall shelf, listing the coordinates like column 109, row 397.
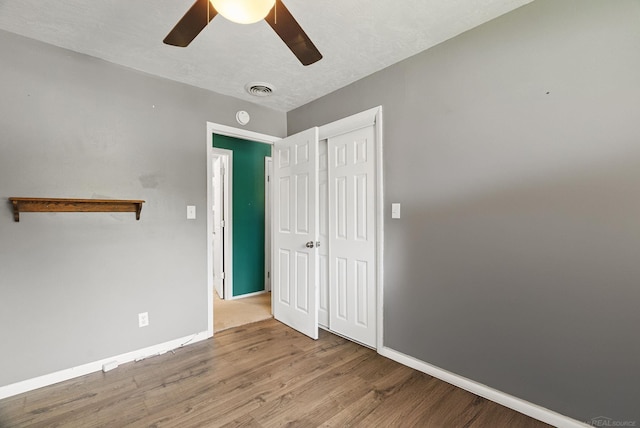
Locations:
column 66, row 205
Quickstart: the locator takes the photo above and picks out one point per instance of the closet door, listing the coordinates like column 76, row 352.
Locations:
column 352, row 245
column 323, row 227
column 295, row 234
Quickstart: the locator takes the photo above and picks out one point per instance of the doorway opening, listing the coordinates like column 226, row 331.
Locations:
column 238, row 292
column 232, row 309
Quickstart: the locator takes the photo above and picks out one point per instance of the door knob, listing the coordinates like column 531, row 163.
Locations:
column 309, row 244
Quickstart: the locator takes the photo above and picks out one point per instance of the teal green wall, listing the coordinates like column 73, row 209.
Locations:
column 248, row 211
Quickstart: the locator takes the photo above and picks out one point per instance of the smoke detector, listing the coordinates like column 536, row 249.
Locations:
column 259, row 89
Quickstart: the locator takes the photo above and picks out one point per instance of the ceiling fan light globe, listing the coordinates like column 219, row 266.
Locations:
column 243, row 11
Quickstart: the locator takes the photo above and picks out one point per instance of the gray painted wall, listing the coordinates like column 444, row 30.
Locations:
column 515, row 152
column 72, row 284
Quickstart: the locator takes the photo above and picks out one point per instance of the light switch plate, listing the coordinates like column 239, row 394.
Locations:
column 191, row 212
column 395, row 210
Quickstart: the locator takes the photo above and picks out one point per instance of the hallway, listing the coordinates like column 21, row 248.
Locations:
column 233, row 313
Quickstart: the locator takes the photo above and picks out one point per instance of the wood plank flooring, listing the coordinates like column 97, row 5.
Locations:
column 260, row 375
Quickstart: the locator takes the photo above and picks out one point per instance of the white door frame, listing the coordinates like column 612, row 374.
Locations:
column 364, row 119
column 216, row 128
column 268, row 162
column 217, row 206
column 226, row 157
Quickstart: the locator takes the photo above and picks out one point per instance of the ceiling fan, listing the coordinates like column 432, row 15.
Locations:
column 277, row 16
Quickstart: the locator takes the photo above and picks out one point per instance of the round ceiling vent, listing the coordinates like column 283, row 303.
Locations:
column 259, row 89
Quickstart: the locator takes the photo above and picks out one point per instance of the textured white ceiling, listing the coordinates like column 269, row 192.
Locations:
column 356, row 38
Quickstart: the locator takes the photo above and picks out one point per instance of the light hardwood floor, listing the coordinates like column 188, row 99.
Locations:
column 260, row 375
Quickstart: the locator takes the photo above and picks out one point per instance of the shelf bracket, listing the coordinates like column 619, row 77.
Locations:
column 16, row 210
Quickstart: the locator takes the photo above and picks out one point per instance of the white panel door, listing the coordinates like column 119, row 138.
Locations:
column 352, row 245
column 218, row 236
column 295, row 258
column 323, row 227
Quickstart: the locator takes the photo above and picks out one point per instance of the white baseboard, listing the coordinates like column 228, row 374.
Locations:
column 242, row 296
column 62, row 375
column 517, row 404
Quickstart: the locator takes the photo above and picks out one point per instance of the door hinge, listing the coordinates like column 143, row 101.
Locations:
column 268, row 275
column 268, row 178
column 221, row 223
column 221, row 275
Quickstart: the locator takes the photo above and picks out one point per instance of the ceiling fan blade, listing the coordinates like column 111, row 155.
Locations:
column 285, row 25
column 191, row 24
